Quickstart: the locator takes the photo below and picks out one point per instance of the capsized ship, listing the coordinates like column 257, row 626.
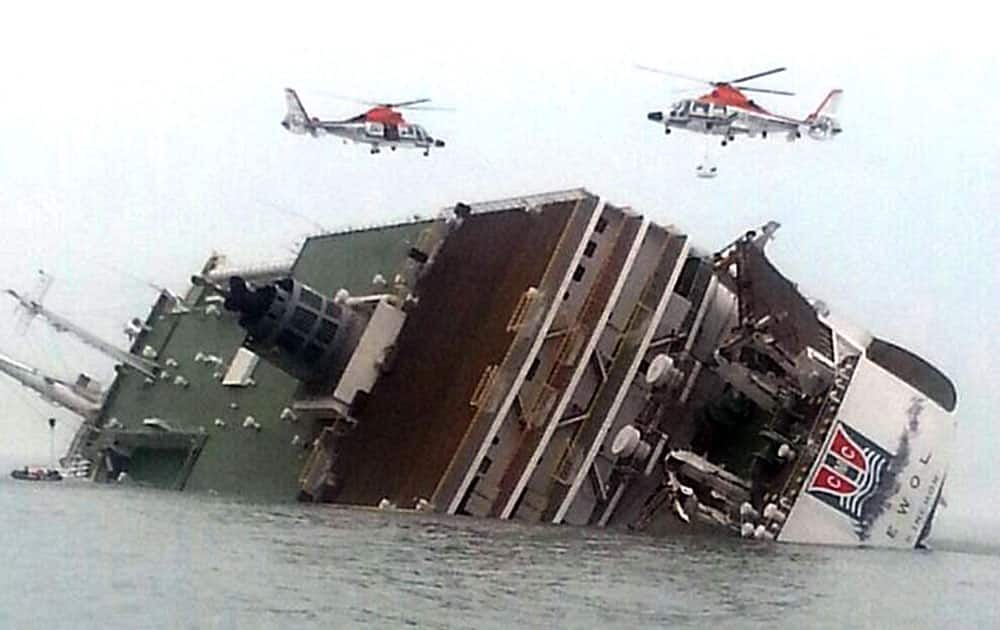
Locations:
column 549, row 358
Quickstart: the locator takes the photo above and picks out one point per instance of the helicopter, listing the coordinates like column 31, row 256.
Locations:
column 726, row 111
column 379, row 126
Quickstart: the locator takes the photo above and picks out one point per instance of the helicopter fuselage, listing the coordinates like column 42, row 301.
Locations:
column 379, row 127
column 728, row 113
column 375, row 134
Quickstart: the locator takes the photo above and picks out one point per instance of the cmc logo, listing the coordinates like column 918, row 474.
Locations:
column 850, row 473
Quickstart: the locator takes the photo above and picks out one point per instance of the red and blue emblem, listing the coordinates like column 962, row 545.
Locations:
column 851, row 470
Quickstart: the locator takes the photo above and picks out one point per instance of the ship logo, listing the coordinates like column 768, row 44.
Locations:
column 850, row 473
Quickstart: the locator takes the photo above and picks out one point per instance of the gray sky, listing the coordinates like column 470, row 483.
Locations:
column 134, row 142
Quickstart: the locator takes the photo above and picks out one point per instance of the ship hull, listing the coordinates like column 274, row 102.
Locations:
column 551, row 358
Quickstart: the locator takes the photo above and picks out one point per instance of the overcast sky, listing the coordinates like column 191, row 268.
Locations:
column 133, row 143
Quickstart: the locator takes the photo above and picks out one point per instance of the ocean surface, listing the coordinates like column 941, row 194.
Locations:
column 78, row 555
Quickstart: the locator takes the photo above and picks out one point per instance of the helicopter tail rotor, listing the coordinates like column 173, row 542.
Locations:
column 296, row 120
column 823, row 123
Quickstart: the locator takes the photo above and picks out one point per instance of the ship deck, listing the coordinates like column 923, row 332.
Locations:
column 419, row 412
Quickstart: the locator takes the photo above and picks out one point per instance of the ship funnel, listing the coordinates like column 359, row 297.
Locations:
column 299, row 330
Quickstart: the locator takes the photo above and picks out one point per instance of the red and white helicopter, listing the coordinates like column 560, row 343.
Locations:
column 727, row 112
column 380, row 126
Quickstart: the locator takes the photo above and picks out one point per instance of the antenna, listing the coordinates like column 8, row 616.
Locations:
column 43, row 282
column 292, row 213
column 52, row 443
column 62, row 324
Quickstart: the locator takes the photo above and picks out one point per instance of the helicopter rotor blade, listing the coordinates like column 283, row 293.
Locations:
column 766, row 91
column 758, row 75
column 415, row 101
column 427, row 109
column 371, row 103
column 674, row 74
column 351, row 99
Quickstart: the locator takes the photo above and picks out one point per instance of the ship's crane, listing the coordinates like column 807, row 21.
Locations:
column 82, row 398
column 62, row 324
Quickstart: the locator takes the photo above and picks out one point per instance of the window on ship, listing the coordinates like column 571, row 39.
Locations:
column 914, row 371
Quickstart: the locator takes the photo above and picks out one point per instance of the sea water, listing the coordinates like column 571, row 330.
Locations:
column 81, row 555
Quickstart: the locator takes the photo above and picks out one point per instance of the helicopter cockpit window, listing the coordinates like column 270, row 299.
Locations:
column 419, row 131
column 700, row 109
column 374, row 129
column 680, row 108
column 407, row 131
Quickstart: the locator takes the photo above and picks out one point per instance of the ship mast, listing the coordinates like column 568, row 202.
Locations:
column 53, row 390
column 62, row 324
